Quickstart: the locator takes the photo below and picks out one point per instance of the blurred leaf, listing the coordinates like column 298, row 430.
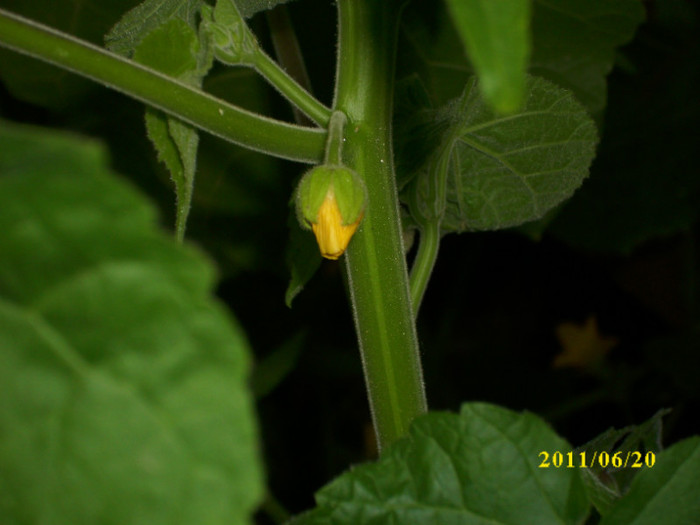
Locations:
column 677, row 360
column 480, row 466
column 33, row 81
column 303, row 257
column 496, row 37
column 273, row 368
column 132, row 28
column 574, row 43
column 122, row 381
column 417, row 131
column 430, row 48
column 504, row 171
column 667, row 492
column 644, row 183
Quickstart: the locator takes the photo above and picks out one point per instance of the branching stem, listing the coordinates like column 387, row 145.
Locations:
column 175, row 98
column 290, row 88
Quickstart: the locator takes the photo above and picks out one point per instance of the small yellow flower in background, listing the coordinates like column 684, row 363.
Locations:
column 582, row 345
column 331, row 201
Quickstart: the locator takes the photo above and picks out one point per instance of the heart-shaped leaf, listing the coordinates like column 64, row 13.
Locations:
column 502, row 171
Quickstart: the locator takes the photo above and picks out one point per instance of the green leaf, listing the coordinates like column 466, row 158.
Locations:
column 248, row 8
column 496, row 37
column 234, row 42
column 504, row 171
column 177, row 144
column 478, row 467
column 274, row 368
column 430, row 48
column 667, row 492
column 132, row 28
column 171, row 48
column 174, row 49
column 605, row 485
column 643, row 187
column 574, row 43
column 123, row 381
column 303, row 258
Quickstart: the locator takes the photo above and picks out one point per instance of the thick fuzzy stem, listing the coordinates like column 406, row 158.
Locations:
column 376, row 266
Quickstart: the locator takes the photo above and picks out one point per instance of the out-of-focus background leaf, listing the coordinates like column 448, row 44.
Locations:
column 496, row 36
column 123, row 381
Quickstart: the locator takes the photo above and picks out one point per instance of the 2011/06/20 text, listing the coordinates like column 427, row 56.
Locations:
column 631, row 459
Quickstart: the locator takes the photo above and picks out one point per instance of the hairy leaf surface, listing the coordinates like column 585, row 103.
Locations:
column 132, row 28
column 507, row 170
column 477, row 467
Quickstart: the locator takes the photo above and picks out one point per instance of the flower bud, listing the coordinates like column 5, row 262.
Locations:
column 331, row 201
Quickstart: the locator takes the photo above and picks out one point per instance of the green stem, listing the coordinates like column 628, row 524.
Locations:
column 375, row 263
column 175, row 98
column 290, row 89
column 288, row 52
column 429, row 220
column 336, row 137
column 429, row 243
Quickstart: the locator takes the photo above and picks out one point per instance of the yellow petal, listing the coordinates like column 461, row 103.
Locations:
column 582, row 345
column 331, row 235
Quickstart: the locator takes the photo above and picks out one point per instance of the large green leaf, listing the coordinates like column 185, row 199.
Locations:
column 504, row 171
column 645, row 182
column 430, row 47
column 575, row 42
column 666, row 492
column 123, row 383
column 497, row 38
column 478, row 467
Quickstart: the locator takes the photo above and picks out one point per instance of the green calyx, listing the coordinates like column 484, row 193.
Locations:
column 234, row 43
column 330, row 182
